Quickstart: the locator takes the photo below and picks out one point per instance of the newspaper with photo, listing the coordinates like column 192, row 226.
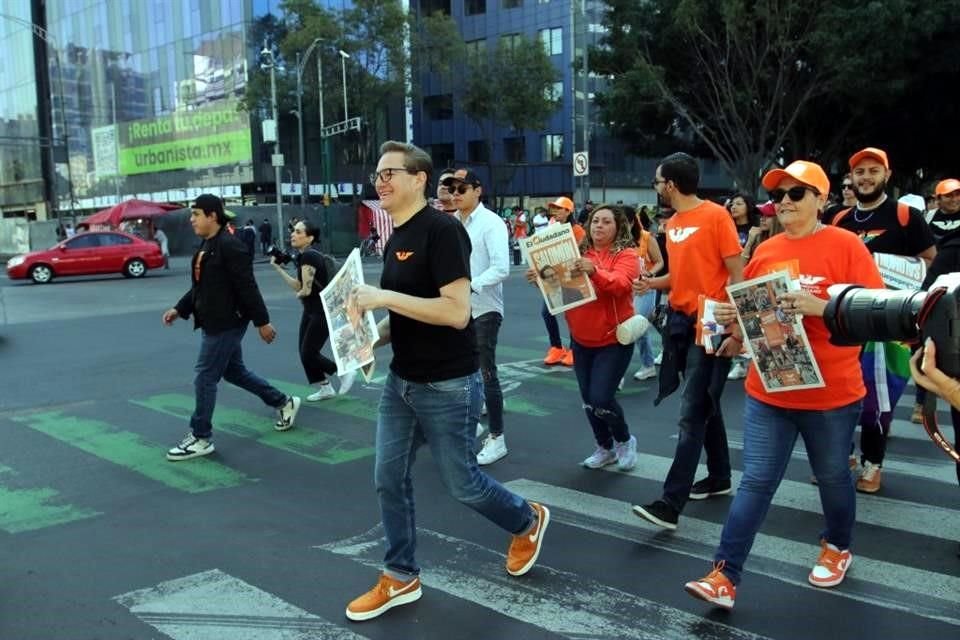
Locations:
column 552, row 252
column 352, row 332
column 775, row 339
column 709, row 331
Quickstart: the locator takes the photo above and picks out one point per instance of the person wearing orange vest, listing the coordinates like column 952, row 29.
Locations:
column 560, row 211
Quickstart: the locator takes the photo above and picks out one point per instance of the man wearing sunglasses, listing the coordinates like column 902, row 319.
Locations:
column 885, row 227
column 444, row 199
column 489, row 267
column 432, row 392
column 848, row 199
column 704, row 254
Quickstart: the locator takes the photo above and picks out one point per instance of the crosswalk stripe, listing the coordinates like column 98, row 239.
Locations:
column 936, row 468
column 344, row 405
column 559, row 602
column 923, row 519
column 132, row 452
column 31, row 508
column 871, row 581
column 314, row 445
column 230, row 609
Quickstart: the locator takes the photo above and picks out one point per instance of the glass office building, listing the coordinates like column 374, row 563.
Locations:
column 139, row 98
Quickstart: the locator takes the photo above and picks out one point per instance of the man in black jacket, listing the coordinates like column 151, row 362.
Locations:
column 223, row 299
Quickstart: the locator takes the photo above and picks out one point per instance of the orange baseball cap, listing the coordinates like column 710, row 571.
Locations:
column 947, row 186
column 809, row 173
column 870, row 152
column 562, row 202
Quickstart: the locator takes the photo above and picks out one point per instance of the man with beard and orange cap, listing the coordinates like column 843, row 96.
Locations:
column 885, row 226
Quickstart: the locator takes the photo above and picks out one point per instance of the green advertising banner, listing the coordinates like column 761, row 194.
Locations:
column 209, row 137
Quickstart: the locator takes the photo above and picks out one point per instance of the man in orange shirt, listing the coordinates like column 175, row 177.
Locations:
column 704, row 252
column 560, row 211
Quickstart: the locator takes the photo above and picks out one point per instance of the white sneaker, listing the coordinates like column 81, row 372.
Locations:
column 626, row 453
column 737, row 372
column 480, row 429
column 659, row 359
column 494, row 448
column 645, row 373
column 600, row 458
column 483, row 408
column 190, row 447
column 287, row 414
column 346, row 381
column 324, row 392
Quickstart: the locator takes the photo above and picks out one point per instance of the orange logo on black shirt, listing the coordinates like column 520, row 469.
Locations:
column 403, row 255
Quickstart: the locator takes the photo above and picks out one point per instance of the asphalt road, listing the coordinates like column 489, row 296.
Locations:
column 269, row 538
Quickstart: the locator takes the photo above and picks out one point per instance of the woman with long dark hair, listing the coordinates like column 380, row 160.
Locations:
column 311, row 278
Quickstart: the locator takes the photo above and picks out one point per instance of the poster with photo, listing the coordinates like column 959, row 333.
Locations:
column 352, row 333
column 709, row 331
column 776, row 339
column 552, row 253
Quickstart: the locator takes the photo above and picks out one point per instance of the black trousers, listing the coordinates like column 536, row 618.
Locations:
column 313, row 335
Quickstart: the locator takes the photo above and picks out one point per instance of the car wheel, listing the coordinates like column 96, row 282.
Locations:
column 41, row 274
column 136, row 268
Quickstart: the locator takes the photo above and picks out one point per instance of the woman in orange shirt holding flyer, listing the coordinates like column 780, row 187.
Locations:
column 599, row 361
column 824, row 417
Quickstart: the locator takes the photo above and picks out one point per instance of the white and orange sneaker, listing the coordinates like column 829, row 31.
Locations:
column 831, row 567
column 385, row 595
column 714, row 588
column 525, row 548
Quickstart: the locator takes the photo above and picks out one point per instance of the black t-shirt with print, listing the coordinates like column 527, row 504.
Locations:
column 882, row 232
column 312, row 258
column 942, row 224
column 424, row 254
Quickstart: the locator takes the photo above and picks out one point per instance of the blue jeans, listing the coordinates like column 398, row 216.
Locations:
column 444, row 416
column 701, row 426
column 553, row 327
column 598, row 371
column 769, row 435
column 221, row 356
column 487, row 327
column 644, row 306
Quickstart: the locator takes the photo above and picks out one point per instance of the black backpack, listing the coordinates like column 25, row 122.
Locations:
column 330, row 264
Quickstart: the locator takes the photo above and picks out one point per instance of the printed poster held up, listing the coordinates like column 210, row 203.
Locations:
column 776, row 339
column 352, row 332
column 552, row 253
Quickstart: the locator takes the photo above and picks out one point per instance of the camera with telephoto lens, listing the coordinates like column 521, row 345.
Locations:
column 855, row 315
column 281, row 256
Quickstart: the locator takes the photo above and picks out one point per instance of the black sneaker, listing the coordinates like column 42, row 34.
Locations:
column 659, row 513
column 703, row 489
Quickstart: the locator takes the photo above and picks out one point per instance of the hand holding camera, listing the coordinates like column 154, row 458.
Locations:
column 923, row 367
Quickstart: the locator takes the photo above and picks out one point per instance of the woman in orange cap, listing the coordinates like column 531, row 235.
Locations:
column 824, row 417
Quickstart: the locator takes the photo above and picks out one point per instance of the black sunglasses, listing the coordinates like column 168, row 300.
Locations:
column 796, row 194
column 459, row 189
column 847, row 185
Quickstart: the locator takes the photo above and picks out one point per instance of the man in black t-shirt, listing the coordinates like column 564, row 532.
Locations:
column 434, row 389
column 945, row 219
column 880, row 222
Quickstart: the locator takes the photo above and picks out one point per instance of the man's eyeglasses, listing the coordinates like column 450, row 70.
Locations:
column 459, row 189
column 847, row 185
column 385, row 175
column 796, row 194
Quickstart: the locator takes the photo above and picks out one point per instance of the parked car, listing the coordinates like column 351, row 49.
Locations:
column 86, row 254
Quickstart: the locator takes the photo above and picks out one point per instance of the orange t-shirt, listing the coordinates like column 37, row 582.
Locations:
column 830, row 256
column 698, row 241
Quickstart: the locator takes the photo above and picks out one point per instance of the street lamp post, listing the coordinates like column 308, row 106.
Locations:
column 301, row 63
column 48, row 38
column 267, row 54
column 343, row 66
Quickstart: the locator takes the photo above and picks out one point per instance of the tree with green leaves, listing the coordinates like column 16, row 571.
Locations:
column 752, row 82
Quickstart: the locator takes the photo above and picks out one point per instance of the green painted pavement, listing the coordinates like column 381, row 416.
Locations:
column 314, row 445
column 518, row 353
column 570, row 383
column 29, row 509
column 132, row 452
column 343, row 405
column 518, row 404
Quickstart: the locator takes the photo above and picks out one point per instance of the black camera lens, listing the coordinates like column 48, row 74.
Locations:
column 856, row 315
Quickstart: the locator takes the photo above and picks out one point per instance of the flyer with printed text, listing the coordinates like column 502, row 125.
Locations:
column 552, row 253
column 776, row 339
column 352, row 332
column 901, row 272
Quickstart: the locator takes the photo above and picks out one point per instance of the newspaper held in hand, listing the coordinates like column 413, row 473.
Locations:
column 776, row 340
column 552, row 253
column 709, row 331
column 352, row 332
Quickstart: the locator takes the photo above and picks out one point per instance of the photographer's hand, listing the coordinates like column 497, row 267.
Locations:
column 267, row 333
column 932, row 378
